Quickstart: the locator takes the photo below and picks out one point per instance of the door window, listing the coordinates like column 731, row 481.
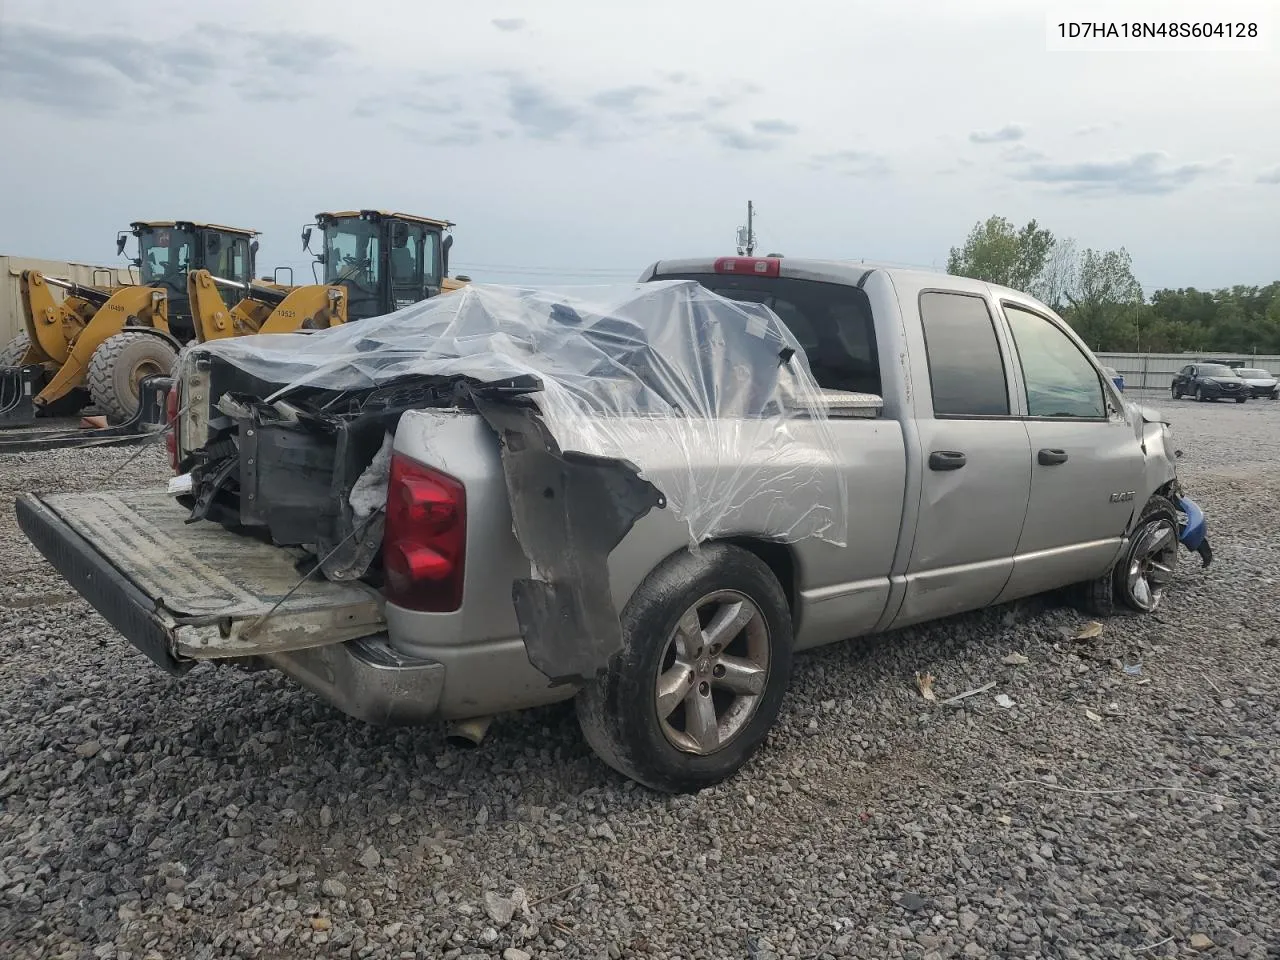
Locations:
column 1060, row 381
column 966, row 371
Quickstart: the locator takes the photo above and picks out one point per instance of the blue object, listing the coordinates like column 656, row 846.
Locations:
column 1118, row 380
column 1192, row 534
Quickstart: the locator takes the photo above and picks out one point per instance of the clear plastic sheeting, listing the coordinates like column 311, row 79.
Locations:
column 710, row 399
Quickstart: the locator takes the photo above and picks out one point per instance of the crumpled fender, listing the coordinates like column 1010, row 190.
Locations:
column 569, row 511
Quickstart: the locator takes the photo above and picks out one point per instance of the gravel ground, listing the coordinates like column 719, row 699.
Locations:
column 1103, row 814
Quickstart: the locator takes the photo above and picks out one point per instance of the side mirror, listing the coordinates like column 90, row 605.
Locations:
column 306, row 238
column 121, row 239
column 444, row 255
column 253, row 248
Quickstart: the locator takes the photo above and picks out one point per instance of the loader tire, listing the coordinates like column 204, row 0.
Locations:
column 11, row 353
column 118, row 367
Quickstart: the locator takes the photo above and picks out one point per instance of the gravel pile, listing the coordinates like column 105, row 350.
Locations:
column 1121, row 803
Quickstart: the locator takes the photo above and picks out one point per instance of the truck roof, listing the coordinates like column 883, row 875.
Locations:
column 194, row 224
column 849, row 272
column 386, row 215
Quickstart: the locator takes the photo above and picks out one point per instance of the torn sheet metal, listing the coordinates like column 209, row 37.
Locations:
column 711, row 399
column 569, row 510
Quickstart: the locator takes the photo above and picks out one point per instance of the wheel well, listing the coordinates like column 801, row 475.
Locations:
column 778, row 558
column 155, row 332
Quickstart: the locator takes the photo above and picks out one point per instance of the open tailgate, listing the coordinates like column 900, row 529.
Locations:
column 181, row 592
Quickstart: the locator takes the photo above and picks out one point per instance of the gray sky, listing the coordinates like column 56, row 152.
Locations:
column 577, row 142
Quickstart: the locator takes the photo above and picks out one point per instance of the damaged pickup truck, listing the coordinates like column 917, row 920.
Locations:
column 645, row 497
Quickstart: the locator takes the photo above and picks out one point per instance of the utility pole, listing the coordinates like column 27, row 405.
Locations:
column 747, row 234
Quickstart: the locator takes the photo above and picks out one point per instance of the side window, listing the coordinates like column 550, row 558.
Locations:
column 1060, row 380
column 430, row 241
column 240, row 260
column 966, row 371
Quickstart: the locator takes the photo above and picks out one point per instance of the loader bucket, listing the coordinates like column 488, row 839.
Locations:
column 17, row 387
column 145, row 425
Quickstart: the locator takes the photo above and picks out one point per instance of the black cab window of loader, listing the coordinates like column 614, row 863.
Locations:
column 412, row 263
column 240, row 267
column 352, row 258
column 166, row 255
column 227, row 255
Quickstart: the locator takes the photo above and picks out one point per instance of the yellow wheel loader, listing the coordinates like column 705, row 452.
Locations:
column 374, row 262
column 98, row 343
column 384, row 260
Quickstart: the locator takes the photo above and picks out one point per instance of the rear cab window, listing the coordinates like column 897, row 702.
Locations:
column 966, row 368
column 832, row 321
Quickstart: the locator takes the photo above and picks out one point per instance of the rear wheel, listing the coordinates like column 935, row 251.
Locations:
column 702, row 673
column 11, row 353
column 117, row 368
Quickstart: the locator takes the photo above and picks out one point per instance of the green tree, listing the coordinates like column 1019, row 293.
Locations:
column 1105, row 300
column 998, row 252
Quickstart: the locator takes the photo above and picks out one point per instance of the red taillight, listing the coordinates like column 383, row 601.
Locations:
column 171, row 423
column 425, row 538
column 751, row 266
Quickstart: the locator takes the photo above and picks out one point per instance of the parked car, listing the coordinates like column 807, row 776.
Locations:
column 1233, row 364
column 851, row 448
column 1261, row 382
column 1115, row 376
column 1209, row 381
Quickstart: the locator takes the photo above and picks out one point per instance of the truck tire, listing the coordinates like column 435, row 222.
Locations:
column 713, row 631
column 1149, row 561
column 11, row 353
column 118, row 367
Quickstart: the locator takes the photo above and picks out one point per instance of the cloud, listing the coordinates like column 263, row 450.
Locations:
column 732, row 138
column 541, row 115
column 775, row 127
column 100, row 74
column 679, row 78
column 1270, row 176
column 1006, row 134
column 851, row 163
column 622, row 99
column 1021, row 153
column 1142, row 174
column 509, row 24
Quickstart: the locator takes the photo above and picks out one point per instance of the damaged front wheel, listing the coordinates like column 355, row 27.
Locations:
column 702, row 673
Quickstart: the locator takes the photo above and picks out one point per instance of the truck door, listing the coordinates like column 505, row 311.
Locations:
column 976, row 471
column 1087, row 466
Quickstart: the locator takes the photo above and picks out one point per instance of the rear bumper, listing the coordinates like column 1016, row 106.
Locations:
column 367, row 680
column 121, row 604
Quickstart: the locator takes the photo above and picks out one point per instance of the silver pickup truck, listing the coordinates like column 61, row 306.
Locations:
column 433, row 549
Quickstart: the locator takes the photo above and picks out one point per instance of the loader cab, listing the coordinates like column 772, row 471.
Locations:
column 169, row 250
column 386, row 261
